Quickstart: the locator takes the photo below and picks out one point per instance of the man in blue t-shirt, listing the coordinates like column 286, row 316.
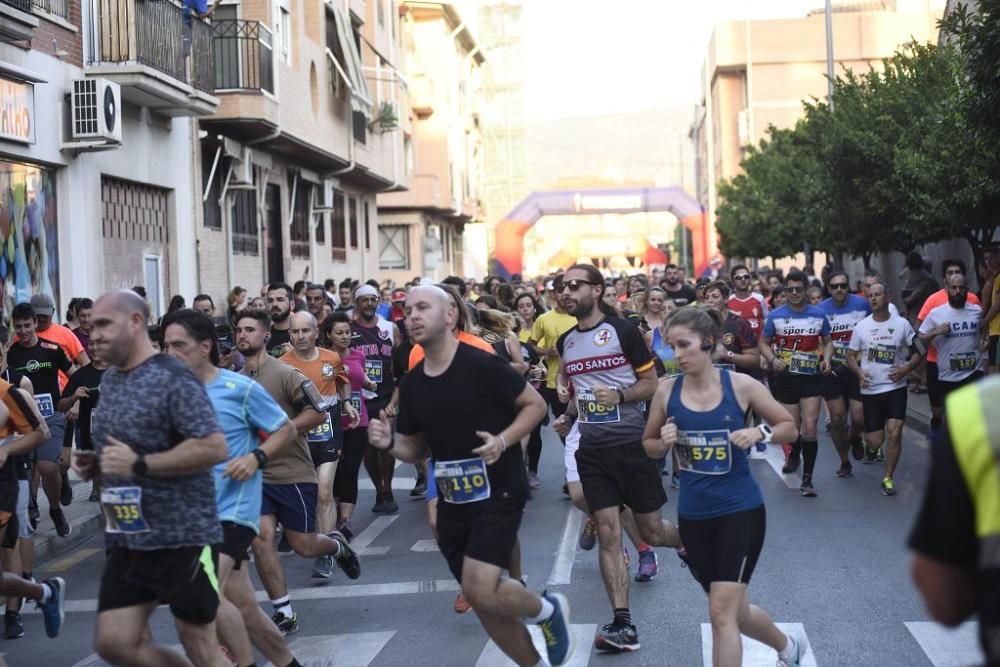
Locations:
column 245, row 411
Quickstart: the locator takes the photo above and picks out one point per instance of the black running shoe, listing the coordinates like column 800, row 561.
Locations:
column 807, row 489
column 287, row 625
column 379, row 505
column 792, row 463
column 63, row 529
column 66, row 493
column 389, row 505
column 857, row 450
column 871, row 456
column 344, row 528
column 617, row 638
column 12, row 626
column 347, row 559
column 419, row 489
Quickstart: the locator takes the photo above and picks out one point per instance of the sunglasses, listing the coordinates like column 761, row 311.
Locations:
column 575, row 284
column 745, row 276
column 838, row 285
column 795, row 290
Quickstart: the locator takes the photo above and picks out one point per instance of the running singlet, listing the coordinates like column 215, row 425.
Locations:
column 933, row 301
column 843, row 319
column 881, row 346
column 715, row 474
column 611, row 354
column 959, row 355
column 376, row 344
column 752, row 309
column 244, row 408
column 797, row 337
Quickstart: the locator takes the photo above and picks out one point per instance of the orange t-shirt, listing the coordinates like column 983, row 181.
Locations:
column 22, row 418
column 326, row 371
column 939, row 298
column 417, row 353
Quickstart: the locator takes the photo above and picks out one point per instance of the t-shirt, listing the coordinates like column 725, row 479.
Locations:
column 278, row 338
column 417, row 353
column 476, row 393
column 293, row 464
column 326, row 371
column 612, row 354
column 737, row 337
column 22, row 420
column 546, row 331
column 753, row 309
column 959, row 355
column 153, row 408
column 41, row 364
column 82, row 337
column 797, row 337
column 376, row 343
column 87, row 376
column 882, row 346
column 683, row 296
column 244, row 409
column 995, row 322
column 842, row 321
column 933, row 301
column 65, row 338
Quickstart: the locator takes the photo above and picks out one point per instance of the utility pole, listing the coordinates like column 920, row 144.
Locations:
column 829, row 52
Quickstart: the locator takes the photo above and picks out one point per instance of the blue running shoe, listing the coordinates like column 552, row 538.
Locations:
column 52, row 610
column 555, row 630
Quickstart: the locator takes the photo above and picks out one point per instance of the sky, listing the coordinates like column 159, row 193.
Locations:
column 587, row 57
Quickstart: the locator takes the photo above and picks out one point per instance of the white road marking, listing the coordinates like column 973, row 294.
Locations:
column 755, row 654
column 775, row 458
column 362, row 540
column 425, row 546
column 356, row 649
column 948, row 648
column 562, row 568
column 583, row 639
column 398, row 484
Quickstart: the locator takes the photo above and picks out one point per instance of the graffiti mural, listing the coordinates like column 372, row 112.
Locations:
column 29, row 252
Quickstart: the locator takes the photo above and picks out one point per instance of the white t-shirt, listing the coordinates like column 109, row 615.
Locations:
column 958, row 351
column 882, row 347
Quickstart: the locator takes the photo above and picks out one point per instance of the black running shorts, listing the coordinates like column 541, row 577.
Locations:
column 789, row 388
column 185, row 578
column 880, row 408
column 841, row 383
column 724, row 548
column 236, row 540
column 485, row 531
column 620, row 475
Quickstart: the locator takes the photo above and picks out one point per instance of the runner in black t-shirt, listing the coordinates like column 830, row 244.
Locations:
column 84, row 390
column 279, row 307
column 469, row 410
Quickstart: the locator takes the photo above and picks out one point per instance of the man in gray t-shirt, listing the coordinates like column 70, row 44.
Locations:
column 156, row 439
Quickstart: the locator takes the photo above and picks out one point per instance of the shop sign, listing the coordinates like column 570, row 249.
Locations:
column 17, row 111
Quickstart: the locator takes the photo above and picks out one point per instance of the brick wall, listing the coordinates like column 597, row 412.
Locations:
column 51, row 36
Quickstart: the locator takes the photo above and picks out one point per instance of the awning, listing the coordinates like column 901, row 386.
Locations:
column 360, row 97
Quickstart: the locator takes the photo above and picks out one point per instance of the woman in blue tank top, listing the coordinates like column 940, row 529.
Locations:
column 701, row 415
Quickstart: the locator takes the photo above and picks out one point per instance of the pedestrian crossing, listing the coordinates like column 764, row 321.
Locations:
column 583, row 637
column 756, row 654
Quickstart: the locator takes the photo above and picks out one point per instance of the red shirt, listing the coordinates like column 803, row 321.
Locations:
column 752, row 309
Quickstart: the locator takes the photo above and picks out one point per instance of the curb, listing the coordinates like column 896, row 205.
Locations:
column 918, row 421
column 49, row 546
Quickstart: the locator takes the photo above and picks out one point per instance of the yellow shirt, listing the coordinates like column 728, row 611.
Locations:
column 995, row 324
column 546, row 331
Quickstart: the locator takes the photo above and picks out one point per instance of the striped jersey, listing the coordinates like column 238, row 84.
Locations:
column 797, row 337
column 843, row 319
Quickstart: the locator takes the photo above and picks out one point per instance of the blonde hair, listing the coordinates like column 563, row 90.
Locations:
column 497, row 322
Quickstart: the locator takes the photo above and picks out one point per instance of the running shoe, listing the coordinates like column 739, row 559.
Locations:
column 288, row 625
column 791, row 462
column 63, row 529
column 347, row 559
column 94, row 495
column 419, row 489
column 888, row 486
column 647, row 565
column 617, row 638
column 379, row 505
column 462, row 605
column 588, row 536
column 66, row 491
column 533, row 482
column 675, row 480
column 52, row 609
column 389, row 505
column 799, row 649
column 344, row 528
column 871, row 456
column 806, row 489
column 555, row 630
column 12, row 626
column 323, row 567
column 857, row 449
column 879, row 455
column 844, row 470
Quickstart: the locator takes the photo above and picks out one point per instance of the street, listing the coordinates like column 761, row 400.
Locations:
column 836, row 564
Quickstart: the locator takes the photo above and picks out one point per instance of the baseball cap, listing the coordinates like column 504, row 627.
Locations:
column 398, row 295
column 42, row 305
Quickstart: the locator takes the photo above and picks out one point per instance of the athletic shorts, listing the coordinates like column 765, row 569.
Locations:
column 19, row 527
column 184, row 578
column 948, row 387
column 294, row 505
column 841, row 383
column 620, row 475
column 485, row 531
column 992, row 358
column 788, row 388
column 51, row 450
column 724, row 548
column 934, row 394
column 9, row 494
column 569, row 453
column 236, row 539
column 329, row 451
column 879, row 408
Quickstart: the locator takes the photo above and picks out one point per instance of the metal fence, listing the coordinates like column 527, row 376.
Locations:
column 58, row 8
column 22, row 5
column 242, row 56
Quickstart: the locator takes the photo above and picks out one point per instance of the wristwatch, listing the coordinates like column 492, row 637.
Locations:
column 261, row 457
column 139, row 468
column 730, row 354
column 765, row 432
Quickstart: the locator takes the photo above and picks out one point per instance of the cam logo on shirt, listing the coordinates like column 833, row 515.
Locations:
column 602, row 338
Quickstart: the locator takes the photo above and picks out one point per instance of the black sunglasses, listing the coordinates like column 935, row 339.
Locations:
column 795, row 290
column 745, row 276
column 574, row 284
column 838, row 285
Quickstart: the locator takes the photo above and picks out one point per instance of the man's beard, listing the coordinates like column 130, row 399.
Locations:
column 281, row 317
column 958, row 301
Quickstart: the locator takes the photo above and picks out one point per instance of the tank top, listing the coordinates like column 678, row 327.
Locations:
column 715, row 474
column 376, row 344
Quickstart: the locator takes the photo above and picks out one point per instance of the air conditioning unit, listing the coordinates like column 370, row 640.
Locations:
column 324, row 195
column 243, row 168
column 96, row 106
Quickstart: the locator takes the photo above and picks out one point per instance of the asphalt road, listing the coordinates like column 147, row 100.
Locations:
column 836, row 564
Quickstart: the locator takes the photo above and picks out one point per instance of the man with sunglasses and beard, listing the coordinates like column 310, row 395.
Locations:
column 953, row 328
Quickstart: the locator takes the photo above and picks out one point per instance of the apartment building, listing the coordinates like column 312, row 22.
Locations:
column 421, row 230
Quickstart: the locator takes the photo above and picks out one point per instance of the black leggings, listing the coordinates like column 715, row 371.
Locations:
column 345, row 482
column 534, row 448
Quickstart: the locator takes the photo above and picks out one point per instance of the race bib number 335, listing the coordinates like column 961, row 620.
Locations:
column 122, row 507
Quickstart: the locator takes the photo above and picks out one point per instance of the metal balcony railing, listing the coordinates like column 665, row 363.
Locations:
column 58, row 8
column 154, row 33
column 242, row 53
column 21, row 5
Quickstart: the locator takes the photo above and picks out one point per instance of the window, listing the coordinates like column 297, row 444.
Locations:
column 134, row 211
column 394, row 247
column 338, row 229
column 368, row 226
column 211, row 211
column 360, row 126
column 299, row 233
column 354, row 221
column 151, row 272
column 244, row 221
column 285, row 31
column 319, row 220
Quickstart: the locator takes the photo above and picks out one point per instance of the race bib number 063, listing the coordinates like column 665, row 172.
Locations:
column 592, row 412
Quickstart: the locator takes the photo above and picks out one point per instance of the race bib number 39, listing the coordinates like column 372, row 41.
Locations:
column 373, row 369
column 123, row 510
column 321, row 433
column 705, row 452
column 592, row 412
column 461, row 482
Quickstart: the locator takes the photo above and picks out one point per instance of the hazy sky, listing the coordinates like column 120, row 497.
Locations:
column 586, row 57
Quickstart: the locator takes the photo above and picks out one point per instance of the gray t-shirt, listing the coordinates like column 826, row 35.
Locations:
column 152, row 408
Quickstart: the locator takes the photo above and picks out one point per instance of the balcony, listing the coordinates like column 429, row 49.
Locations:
column 16, row 22
column 160, row 63
column 58, row 8
column 243, row 71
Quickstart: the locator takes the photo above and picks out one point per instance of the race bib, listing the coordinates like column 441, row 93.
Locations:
column 592, row 412
column 461, row 482
column 321, row 433
column 966, row 361
column 356, row 400
column 839, row 352
column 879, row 354
column 801, row 363
column 122, row 507
column 45, row 405
column 373, row 369
column 705, row 452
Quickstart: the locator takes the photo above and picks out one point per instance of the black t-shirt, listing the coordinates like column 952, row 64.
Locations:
column 89, row 377
column 476, row 393
column 682, row 297
column 41, row 364
column 278, row 338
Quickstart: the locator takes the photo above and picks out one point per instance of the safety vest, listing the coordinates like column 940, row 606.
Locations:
column 974, row 426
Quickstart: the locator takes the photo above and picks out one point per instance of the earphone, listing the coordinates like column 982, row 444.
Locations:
column 708, row 347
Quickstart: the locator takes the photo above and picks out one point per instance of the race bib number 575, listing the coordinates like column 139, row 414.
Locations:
column 705, row 452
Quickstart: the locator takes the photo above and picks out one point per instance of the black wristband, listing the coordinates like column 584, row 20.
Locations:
column 261, row 457
column 621, row 396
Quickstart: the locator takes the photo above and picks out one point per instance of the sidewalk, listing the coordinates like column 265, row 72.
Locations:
column 918, row 412
column 83, row 515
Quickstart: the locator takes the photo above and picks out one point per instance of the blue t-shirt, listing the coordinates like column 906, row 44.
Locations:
column 244, row 408
column 843, row 319
column 385, row 310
